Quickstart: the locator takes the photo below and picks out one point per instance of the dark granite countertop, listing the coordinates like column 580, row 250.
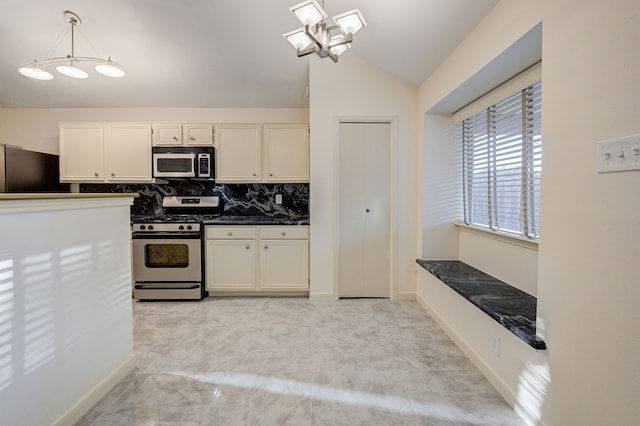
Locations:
column 511, row 307
column 257, row 220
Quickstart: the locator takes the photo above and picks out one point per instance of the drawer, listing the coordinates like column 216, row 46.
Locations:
column 231, row 232
column 284, row 232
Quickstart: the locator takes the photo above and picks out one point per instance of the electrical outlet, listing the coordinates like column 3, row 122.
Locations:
column 495, row 344
column 278, row 198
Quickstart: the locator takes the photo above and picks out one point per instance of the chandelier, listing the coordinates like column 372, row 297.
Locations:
column 67, row 65
column 319, row 38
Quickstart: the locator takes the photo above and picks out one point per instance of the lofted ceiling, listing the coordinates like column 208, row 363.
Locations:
column 212, row 53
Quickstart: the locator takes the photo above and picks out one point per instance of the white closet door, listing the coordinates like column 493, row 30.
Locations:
column 364, row 213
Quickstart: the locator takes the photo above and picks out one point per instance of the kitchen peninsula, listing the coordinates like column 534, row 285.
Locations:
column 65, row 303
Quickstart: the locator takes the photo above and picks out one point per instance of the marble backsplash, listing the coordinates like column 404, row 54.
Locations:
column 238, row 199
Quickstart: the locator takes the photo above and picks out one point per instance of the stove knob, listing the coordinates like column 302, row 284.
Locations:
column 189, row 227
column 142, row 227
column 150, row 227
column 181, row 227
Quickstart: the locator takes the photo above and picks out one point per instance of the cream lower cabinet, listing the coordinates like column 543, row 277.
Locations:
column 277, row 259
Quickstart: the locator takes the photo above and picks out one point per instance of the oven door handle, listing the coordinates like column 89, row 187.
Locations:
column 153, row 287
column 165, row 235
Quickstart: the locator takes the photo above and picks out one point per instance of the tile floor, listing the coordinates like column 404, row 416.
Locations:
column 288, row 361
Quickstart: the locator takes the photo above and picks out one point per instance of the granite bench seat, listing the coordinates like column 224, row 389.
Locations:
column 511, row 307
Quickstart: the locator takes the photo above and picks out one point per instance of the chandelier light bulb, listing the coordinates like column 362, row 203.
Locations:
column 308, row 12
column 298, row 39
column 350, row 22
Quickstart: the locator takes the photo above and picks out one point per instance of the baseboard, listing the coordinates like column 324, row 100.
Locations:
column 406, row 296
column 477, row 360
column 77, row 411
column 322, row 297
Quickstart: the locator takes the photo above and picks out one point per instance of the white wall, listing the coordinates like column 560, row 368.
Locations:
column 65, row 309
column 353, row 88
column 37, row 129
column 587, row 285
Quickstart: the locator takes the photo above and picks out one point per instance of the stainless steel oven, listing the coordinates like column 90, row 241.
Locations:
column 167, row 261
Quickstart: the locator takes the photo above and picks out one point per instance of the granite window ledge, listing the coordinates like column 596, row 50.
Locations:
column 511, row 307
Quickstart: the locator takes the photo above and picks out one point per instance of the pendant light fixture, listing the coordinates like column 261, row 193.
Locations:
column 67, row 65
column 319, row 38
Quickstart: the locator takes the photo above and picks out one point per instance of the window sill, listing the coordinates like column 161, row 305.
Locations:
column 499, row 236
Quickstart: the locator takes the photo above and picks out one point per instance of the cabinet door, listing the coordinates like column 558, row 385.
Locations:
column 128, row 152
column 284, row 265
column 81, row 153
column 286, row 153
column 238, row 153
column 198, row 134
column 231, row 265
column 167, row 134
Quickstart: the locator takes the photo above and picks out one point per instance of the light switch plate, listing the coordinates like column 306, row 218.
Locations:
column 619, row 155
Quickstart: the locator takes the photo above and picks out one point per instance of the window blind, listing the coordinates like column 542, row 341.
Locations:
column 502, row 160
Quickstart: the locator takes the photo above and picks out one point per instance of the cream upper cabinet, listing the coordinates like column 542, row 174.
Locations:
column 96, row 152
column 286, row 153
column 198, row 134
column 81, row 152
column 128, row 152
column 262, row 153
column 167, row 134
column 238, row 153
column 171, row 134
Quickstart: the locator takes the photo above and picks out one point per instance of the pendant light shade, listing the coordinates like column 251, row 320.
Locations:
column 69, row 65
column 35, row 73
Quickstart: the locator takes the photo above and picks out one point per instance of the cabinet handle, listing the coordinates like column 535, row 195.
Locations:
column 95, row 174
column 230, row 234
column 266, row 247
column 113, row 175
column 270, row 174
column 367, row 210
column 247, row 247
column 255, row 174
column 192, row 138
column 175, row 138
column 284, row 233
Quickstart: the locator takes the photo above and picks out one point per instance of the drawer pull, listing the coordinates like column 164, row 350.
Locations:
column 247, row 247
column 230, row 234
column 175, row 138
column 284, row 233
column 266, row 247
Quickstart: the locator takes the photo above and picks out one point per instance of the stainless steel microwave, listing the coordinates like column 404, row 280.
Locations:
column 183, row 162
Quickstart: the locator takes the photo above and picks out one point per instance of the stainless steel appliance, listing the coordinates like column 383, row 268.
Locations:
column 183, row 162
column 168, row 249
column 22, row 170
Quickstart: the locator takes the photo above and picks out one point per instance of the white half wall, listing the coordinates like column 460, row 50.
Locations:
column 355, row 89
column 66, row 333
column 37, row 128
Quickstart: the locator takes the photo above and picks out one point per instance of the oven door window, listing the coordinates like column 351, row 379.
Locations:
column 163, row 255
